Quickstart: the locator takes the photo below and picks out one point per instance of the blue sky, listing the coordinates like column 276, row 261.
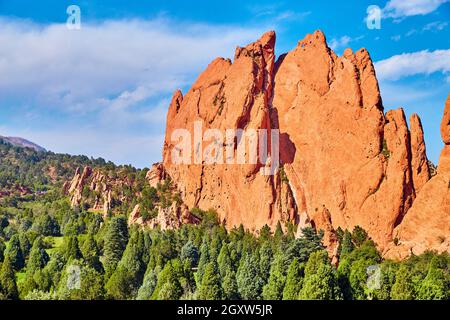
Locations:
column 104, row 90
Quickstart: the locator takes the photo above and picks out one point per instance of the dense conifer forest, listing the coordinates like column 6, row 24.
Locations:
column 49, row 250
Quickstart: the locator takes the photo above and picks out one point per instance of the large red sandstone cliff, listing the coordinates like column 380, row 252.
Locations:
column 344, row 161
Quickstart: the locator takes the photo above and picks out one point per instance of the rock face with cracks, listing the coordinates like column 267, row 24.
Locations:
column 344, row 161
column 427, row 224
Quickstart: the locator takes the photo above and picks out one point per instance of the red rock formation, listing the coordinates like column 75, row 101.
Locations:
column 345, row 162
column 99, row 184
column 77, row 184
column 426, row 226
column 156, row 175
column 168, row 218
column 230, row 96
column 419, row 161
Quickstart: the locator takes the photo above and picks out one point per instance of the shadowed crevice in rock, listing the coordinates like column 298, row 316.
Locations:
column 338, row 149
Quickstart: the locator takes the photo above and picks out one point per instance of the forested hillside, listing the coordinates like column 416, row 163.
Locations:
column 28, row 168
column 52, row 250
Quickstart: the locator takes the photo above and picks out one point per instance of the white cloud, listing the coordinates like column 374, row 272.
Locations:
column 131, row 60
column 435, row 26
column 396, row 37
column 402, row 8
column 104, row 90
column 409, row 64
column 342, row 42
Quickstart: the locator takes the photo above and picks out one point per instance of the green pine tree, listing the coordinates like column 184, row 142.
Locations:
column 8, row 283
column 403, row 288
column 73, row 249
column 210, row 288
column 115, row 241
column 320, row 282
column 249, row 280
column 224, row 260
column 203, row 261
column 38, row 257
column 294, row 280
column 148, row 286
column 436, row 284
column 273, row 290
column 14, row 253
column 347, row 245
column 229, row 285
column 91, row 253
column 168, row 286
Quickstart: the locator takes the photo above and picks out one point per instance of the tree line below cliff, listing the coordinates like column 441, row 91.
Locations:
column 50, row 251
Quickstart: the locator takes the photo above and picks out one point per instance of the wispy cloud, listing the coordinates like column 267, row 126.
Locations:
column 409, row 64
column 109, row 83
column 402, row 8
column 435, row 26
column 132, row 60
column 343, row 42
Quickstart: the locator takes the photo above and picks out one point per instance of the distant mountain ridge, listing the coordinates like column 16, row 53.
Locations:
column 21, row 142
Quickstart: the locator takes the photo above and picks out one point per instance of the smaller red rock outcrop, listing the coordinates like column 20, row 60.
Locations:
column 426, row 226
column 172, row 217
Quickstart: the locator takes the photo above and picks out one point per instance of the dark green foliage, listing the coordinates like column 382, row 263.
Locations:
column 38, row 257
column 80, row 282
column 224, row 260
column 320, row 282
column 359, row 236
column 91, row 253
column 436, row 284
column 265, row 233
column 46, row 225
column 204, row 260
column 265, row 259
column 13, row 253
column 8, row 286
column 168, row 286
column 229, row 286
column 403, row 288
column 116, row 239
column 210, row 288
column 346, row 247
column 249, row 281
column 147, row 203
column 387, row 280
column 2, row 250
column 273, row 290
column 301, row 248
column 25, row 244
column 73, row 250
column 294, row 280
column 148, row 286
column 352, row 270
column 127, row 278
